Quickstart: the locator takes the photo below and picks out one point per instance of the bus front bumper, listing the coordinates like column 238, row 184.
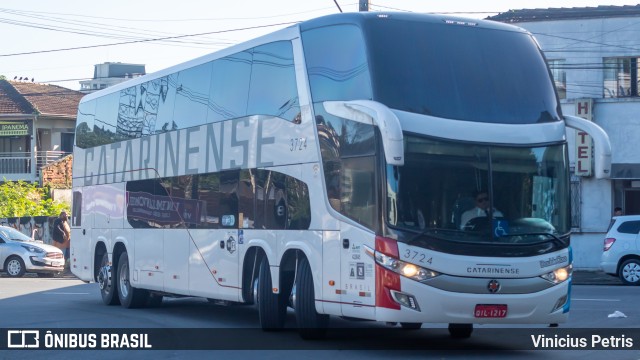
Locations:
column 549, row 306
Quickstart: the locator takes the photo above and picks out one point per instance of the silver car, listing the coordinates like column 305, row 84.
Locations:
column 20, row 254
column 621, row 255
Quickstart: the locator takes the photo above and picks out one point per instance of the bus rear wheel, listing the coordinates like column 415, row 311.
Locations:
column 460, row 331
column 311, row 325
column 106, row 281
column 130, row 297
column 270, row 310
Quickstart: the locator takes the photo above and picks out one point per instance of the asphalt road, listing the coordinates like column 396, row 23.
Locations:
column 65, row 303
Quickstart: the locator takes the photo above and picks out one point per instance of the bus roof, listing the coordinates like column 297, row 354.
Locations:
column 356, row 18
column 359, row 18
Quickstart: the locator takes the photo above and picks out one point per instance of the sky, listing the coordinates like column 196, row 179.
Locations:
column 59, row 41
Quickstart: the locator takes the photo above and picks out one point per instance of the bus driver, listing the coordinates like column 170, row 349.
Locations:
column 481, row 209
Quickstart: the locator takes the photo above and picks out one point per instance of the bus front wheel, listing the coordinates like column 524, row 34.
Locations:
column 311, row 325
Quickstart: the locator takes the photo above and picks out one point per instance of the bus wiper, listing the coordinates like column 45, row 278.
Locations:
column 433, row 232
column 554, row 237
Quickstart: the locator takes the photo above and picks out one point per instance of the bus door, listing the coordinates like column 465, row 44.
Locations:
column 225, row 262
column 213, row 269
column 358, row 275
column 176, row 260
column 81, row 249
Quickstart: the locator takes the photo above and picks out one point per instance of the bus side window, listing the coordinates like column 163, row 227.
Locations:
column 273, row 88
column 228, row 195
column 76, row 210
column 276, row 202
column 246, row 196
column 218, row 195
column 298, row 210
column 357, row 189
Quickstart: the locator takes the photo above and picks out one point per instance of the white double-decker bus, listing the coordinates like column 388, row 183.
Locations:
column 328, row 167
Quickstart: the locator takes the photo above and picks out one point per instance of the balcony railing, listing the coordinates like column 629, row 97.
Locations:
column 44, row 158
column 15, row 163
column 18, row 165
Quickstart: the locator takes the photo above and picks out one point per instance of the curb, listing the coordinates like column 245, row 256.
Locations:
column 585, row 277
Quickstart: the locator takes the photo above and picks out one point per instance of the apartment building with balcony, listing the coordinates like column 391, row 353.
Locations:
column 37, row 126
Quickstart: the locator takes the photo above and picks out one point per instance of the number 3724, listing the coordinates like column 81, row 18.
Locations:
column 297, row 144
column 416, row 256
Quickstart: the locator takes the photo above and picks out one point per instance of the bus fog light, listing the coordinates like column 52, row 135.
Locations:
column 560, row 303
column 405, row 300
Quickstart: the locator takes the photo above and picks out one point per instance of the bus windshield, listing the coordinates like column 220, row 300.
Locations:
column 460, row 72
column 480, row 193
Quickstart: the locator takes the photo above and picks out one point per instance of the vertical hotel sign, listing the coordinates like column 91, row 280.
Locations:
column 584, row 109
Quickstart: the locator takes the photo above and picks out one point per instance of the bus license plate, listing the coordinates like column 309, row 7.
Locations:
column 490, row 311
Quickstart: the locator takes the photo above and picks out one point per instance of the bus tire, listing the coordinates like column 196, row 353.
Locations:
column 271, row 312
column 129, row 296
column 107, row 281
column 460, row 331
column 311, row 325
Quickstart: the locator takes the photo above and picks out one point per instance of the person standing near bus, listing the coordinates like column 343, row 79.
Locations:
column 62, row 234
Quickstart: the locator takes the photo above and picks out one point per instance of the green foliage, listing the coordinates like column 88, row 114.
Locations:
column 24, row 199
column 2, row 77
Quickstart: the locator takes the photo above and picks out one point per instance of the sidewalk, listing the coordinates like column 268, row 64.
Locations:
column 593, row 277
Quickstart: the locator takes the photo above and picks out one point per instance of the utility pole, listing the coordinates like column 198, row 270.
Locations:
column 364, row 5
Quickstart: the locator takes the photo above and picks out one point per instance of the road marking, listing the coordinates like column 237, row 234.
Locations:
column 64, row 293
column 595, row 299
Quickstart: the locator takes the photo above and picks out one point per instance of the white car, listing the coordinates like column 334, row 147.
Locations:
column 20, row 254
column 621, row 255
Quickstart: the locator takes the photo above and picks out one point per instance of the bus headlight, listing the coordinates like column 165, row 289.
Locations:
column 408, row 270
column 559, row 275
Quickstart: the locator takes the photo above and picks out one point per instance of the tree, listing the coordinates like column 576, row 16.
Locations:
column 20, row 199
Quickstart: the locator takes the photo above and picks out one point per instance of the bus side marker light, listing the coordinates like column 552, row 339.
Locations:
column 332, row 283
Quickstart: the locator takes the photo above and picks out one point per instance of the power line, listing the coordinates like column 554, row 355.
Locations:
column 148, row 40
column 587, row 41
column 165, row 20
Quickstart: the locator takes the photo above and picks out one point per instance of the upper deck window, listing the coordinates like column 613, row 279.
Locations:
column 337, row 63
